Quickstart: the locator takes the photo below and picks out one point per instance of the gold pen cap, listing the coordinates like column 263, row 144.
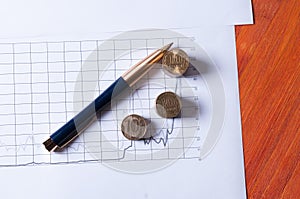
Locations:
column 137, row 71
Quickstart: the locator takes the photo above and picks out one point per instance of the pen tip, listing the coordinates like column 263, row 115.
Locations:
column 166, row 47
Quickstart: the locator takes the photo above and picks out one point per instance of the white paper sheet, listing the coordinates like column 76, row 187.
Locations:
column 218, row 174
column 216, row 171
column 34, row 18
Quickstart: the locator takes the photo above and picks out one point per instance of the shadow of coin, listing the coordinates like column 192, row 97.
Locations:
column 196, row 67
column 189, row 109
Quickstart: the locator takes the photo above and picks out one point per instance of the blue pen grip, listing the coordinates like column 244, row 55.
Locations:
column 84, row 118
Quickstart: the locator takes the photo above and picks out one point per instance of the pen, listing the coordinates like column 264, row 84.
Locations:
column 69, row 131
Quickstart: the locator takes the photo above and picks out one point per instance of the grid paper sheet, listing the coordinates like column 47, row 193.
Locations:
column 39, row 87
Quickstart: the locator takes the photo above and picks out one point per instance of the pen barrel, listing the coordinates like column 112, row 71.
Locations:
column 84, row 118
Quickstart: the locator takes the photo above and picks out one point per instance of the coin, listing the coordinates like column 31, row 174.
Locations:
column 175, row 62
column 168, row 105
column 134, row 127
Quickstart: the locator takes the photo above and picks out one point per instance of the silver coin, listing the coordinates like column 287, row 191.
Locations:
column 168, row 105
column 134, row 127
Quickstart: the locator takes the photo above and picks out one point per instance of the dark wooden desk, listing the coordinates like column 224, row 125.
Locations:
column 269, row 78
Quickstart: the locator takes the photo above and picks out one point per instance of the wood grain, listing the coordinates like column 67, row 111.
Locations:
column 269, row 79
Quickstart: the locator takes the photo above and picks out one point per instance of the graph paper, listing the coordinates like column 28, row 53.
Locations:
column 44, row 84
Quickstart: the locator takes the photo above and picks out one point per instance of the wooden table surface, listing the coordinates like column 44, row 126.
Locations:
column 269, row 79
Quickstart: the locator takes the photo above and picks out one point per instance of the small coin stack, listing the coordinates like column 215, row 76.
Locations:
column 175, row 62
column 168, row 105
column 134, row 127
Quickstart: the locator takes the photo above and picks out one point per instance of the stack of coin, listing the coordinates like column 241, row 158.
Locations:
column 134, row 127
column 168, row 105
column 175, row 62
